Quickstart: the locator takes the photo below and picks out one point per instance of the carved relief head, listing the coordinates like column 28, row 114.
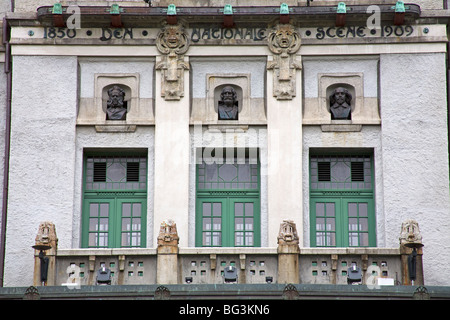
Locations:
column 168, row 233
column 284, row 38
column 46, row 234
column 288, row 233
column 172, row 40
column 340, row 103
column 410, row 232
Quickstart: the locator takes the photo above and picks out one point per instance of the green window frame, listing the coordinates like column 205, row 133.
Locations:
column 342, row 211
column 114, row 201
column 228, row 203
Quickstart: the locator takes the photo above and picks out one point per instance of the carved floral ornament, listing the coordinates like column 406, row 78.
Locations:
column 173, row 42
column 284, row 41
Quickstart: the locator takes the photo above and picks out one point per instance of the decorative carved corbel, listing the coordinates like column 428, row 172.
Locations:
column 284, row 41
column 173, row 43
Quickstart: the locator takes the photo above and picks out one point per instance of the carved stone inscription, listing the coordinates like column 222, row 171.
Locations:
column 284, row 42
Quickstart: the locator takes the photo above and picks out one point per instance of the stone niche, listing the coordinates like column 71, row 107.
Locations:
column 92, row 111
column 207, row 88
column 364, row 108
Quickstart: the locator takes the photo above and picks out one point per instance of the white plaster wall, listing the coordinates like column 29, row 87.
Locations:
column 415, row 155
column 3, row 81
column 41, row 182
column 253, row 137
column 87, row 137
column 220, row 65
column 312, row 66
column 90, row 66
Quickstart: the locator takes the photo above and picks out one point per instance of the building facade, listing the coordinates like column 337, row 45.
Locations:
column 126, row 121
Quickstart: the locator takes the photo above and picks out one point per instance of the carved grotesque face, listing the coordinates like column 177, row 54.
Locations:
column 44, row 232
column 172, row 38
column 284, row 37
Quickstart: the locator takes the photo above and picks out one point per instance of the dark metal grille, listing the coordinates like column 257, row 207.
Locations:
column 323, row 171
column 357, row 171
column 100, row 172
column 132, row 171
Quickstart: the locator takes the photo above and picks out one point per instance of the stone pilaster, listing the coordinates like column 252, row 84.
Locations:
column 46, row 237
column 288, row 253
column 411, row 248
column 167, row 260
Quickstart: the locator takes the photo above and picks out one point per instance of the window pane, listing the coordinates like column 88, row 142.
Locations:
column 352, row 210
column 364, row 239
column 217, row 209
column 217, row 223
column 363, row 224
column 239, row 239
column 353, row 239
column 125, row 240
column 216, row 239
column 136, row 209
column 206, row 238
column 331, row 224
column 249, row 238
column 238, row 209
column 320, row 239
column 93, row 210
column 363, row 209
column 353, row 224
column 206, row 224
column 93, row 224
column 126, row 224
column 239, row 224
column 104, row 209
column 330, row 209
column 102, row 239
column 135, row 239
column 136, row 226
column 249, row 209
column 92, row 240
column 206, row 209
column 320, row 209
column 249, row 224
column 103, row 224
column 116, row 172
column 320, row 224
column 126, row 209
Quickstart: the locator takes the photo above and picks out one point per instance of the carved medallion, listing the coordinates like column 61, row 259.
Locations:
column 173, row 43
column 284, row 41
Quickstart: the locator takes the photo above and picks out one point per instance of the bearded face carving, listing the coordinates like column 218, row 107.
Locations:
column 340, row 104
column 228, row 104
column 116, row 106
